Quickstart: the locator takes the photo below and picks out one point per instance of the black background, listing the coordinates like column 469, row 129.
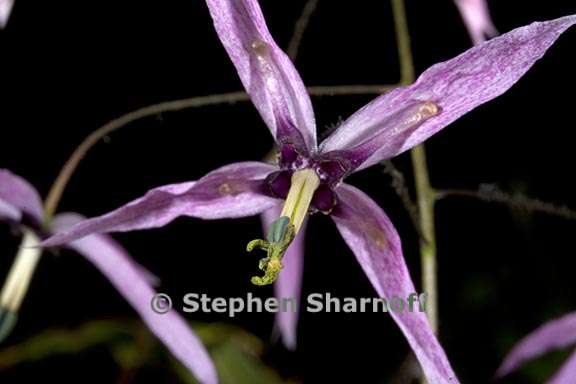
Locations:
column 68, row 67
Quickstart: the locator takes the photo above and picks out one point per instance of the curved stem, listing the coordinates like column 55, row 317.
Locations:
column 55, row 193
column 300, row 28
column 59, row 185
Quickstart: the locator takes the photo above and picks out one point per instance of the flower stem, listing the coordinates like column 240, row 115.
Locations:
column 425, row 193
column 426, row 200
column 403, row 42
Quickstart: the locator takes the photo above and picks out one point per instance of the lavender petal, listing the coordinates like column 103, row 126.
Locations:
column 376, row 244
column 454, row 87
column 266, row 72
column 566, row 373
column 115, row 263
column 17, row 197
column 232, row 191
column 476, row 17
column 555, row 334
column 5, row 11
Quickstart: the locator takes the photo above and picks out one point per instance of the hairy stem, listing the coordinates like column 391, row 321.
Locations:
column 514, row 201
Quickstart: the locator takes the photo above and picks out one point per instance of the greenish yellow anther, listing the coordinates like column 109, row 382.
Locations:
column 278, row 239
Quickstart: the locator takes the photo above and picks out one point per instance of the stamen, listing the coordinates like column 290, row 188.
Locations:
column 284, row 229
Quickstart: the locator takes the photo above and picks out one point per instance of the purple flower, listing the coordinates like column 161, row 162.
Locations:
column 309, row 178
column 476, row 16
column 20, row 204
column 5, row 10
column 556, row 334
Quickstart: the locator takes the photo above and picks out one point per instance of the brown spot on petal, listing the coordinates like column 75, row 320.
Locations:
column 232, row 188
column 376, row 235
column 225, row 189
column 260, row 48
column 429, row 109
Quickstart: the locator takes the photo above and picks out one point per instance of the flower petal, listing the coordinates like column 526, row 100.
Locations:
column 235, row 190
column 267, row 73
column 405, row 117
column 9, row 213
column 17, row 197
column 115, row 263
column 566, row 373
column 5, row 10
column 555, row 334
column 289, row 282
column 376, row 244
column 476, row 16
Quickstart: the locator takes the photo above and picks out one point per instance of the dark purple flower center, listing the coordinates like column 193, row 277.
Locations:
column 331, row 169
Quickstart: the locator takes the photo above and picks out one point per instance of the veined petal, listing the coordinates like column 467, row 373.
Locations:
column 476, row 17
column 374, row 240
column 405, row 117
column 17, row 197
column 235, row 190
column 566, row 373
column 115, row 263
column 5, row 10
column 289, row 282
column 267, row 73
column 556, row 334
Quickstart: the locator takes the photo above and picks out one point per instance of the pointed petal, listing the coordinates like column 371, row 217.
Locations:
column 376, row 244
column 114, row 262
column 476, row 16
column 289, row 282
column 5, row 10
column 235, row 190
column 555, row 334
column 267, row 73
column 17, row 197
column 566, row 373
column 405, row 117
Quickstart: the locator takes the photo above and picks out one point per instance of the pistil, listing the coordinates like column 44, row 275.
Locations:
column 304, row 184
column 281, row 233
